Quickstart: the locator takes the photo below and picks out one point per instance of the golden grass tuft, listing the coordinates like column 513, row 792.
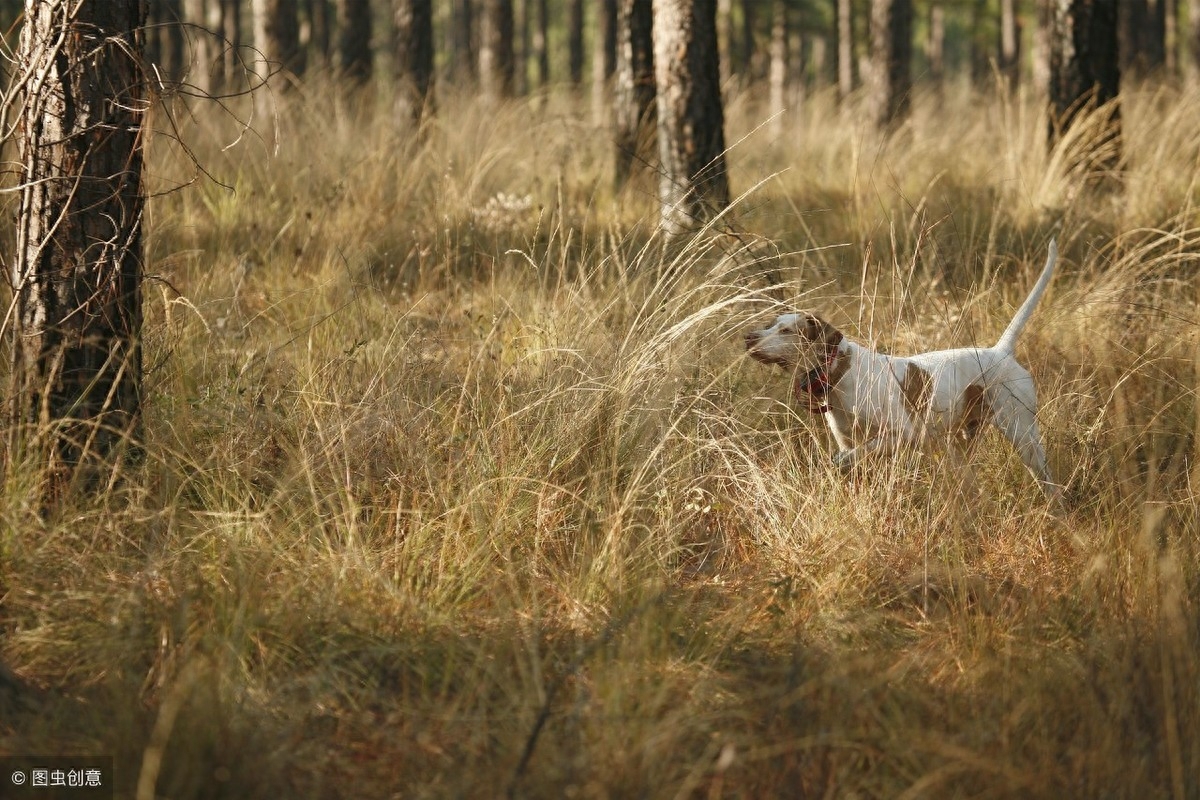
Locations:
column 453, row 487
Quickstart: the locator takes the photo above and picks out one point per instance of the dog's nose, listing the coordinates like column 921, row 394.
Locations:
column 751, row 338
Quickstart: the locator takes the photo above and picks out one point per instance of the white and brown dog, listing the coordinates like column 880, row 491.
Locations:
column 877, row 403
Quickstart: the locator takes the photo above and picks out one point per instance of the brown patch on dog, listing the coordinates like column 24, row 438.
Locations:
column 917, row 388
column 975, row 414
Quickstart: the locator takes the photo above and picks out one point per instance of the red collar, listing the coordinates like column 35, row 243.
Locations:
column 814, row 386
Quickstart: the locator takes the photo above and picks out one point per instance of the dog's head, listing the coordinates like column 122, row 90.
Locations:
column 800, row 340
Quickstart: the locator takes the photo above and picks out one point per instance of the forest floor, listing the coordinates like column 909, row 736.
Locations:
column 456, row 482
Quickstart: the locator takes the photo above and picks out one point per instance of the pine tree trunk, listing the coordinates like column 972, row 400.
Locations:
column 778, row 71
column 231, row 36
column 1010, row 44
column 633, row 98
column 1142, row 32
column 541, row 50
column 354, row 40
column 276, row 38
column 693, row 184
column 200, row 73
column 604, row 58
column 320, row 39
column 496, row 49
column 1084, row 71
column 845, row 48
column 936, row 47
column 414, row 58
column 465, row 58
column 891, row 56
column 168, row 45
column 574, row 41
column 75, row 382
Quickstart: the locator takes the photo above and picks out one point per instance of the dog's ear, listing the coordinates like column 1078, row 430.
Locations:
column 818, row 330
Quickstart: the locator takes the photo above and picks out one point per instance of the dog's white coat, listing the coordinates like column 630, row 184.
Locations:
column 880, row 402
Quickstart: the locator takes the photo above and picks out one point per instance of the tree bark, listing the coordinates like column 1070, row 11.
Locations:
column 414, row 58
column 320, row 38
column 604, row 58
column 1194, row 33
column 633, row 97
column 693, row 184
column 76, row 370
column 1142, row 36
column 465, row 59
column 1084, row 70
column 496, row 49
column 845, row 48
column 201, row 45
column 574, row 41
column 231, row 34
column 1010, row 44
column 354, row 40
column 541, row 38
column 778, row 71
column 276, row 37
column 167, row 52
column 891, row 57
column 936, row 47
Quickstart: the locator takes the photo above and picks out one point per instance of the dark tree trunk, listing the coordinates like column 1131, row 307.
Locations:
column 463, row 52
column 981, row 43
column 166, row 48
column 1010, row 44
column 1142, row 26
column 633, row 98
column 604, row 57
column 414, row 57
column 891, row 57
column 75, row 382
column 231, row 33
column 496, row 49
column 749, row 45
column 201, row 45
column 845, row 47
column 1084, row 70
column 354, row 40
column 320, row 37
column 693, row 184
column 778, row 71
column 936, row 47
column 1194, row 33
column 575, row 41
column 276, row 38
column 541, row 36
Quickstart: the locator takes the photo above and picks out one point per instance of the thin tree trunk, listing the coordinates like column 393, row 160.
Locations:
column 725, row 39
column 749, row 45
column 574, row 41
column 231, row 33
column 75, row 378
column 354, row 40
column 200, row 41
column 1010, row 44
column 633, row 98
column 276, row 37
column 891, row 56
column 463, row 52
column 1194, row 34
column 320, row 37
column 845, row 48
column 935, row 48
column 168, row 54
column 496, row 50
column 520, row 85
column 778, row 71
column 414, row 58
column 541, row 50
column 1085, row 72
column 693, row 184
column 604, row 58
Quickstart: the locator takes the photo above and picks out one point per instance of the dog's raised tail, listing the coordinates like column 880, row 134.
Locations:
column 1008, row 340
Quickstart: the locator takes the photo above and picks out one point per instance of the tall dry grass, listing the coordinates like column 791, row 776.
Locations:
column 454, row 486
